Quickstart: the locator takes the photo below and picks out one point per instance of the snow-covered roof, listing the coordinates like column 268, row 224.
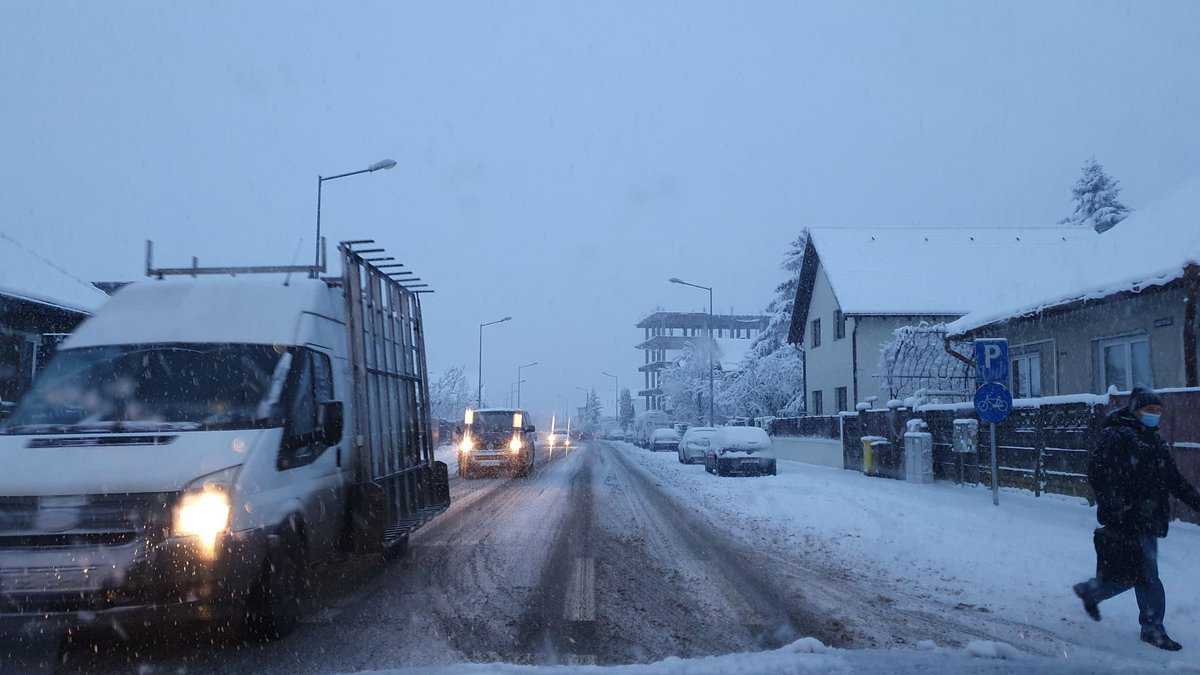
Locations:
column 239, row 310
column 26, row 275
column 1152, row 247
column 940, row 271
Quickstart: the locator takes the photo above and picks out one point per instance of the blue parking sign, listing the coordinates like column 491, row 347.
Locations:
column 991, row 361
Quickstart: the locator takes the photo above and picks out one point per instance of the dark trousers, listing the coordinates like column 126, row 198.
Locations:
column 1151, row 598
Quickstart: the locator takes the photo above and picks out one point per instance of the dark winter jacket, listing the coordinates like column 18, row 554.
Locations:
column 1132, row 475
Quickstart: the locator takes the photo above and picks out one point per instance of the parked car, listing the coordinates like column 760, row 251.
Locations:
column 664, row 440
column 496, row 439
column 743, row 451
column 694, row 444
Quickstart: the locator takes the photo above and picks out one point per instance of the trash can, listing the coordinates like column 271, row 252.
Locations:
column 871, row 447
column 918, row 457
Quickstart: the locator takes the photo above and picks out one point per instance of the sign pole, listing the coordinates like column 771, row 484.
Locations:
column 995, row 470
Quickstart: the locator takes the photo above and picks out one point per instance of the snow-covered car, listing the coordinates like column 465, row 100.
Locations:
column 664, row 440
column 694, row 444
column 744, row 451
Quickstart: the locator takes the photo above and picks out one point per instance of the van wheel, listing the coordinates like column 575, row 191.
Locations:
column 273, row 608
column 397, row 550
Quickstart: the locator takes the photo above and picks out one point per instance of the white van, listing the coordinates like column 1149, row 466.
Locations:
column 198, row 444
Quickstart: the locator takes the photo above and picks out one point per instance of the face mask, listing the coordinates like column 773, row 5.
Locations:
column 1149, row 420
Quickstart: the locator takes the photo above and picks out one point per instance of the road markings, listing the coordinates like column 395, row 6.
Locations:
column 581, row 592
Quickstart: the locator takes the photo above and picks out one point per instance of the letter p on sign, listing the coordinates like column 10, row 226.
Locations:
column 991, row 361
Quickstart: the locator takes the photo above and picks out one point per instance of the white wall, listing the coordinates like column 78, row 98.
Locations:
column 820, row 451
column 830, row 365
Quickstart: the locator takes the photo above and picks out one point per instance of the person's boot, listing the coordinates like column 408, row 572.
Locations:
column 1089, row 605
column 1158, row 637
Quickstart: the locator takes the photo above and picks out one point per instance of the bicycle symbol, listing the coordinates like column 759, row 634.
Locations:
column 993, row 403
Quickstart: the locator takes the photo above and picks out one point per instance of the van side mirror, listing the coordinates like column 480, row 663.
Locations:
column 331, row 422
column 530, row 429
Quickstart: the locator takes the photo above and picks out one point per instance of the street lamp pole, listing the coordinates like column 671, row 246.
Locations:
column 519, row 380
column 381, row 164
column 479, row 396
column 616, row 386
column 711, row 343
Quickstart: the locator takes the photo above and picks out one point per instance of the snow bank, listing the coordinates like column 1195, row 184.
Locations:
column 943, row 549
column 808, row 655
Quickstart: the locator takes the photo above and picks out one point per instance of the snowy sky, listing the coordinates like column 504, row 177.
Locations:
column 558, row 161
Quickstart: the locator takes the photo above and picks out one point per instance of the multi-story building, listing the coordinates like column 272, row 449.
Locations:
column 667, row 333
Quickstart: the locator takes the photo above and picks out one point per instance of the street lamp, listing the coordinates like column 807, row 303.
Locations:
column 519, row 380
column 711, row 343
column 616, row 386
column 479, row 397
column 381, row 164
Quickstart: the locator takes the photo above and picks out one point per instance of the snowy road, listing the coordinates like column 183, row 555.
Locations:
column 598, row 557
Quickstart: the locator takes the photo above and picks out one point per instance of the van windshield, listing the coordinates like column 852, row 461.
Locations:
column 490, row 422
column 155, row 386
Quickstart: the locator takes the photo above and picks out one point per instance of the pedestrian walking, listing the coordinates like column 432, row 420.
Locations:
column 1133, row 475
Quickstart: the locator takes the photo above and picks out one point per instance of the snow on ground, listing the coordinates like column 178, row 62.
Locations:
column 945, row 546
column 808, row 655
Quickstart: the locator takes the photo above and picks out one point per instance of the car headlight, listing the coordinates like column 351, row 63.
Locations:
column 515, row 445
column 467, row 444
column 205, row 507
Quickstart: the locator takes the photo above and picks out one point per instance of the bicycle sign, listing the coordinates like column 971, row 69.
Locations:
column 993, row 402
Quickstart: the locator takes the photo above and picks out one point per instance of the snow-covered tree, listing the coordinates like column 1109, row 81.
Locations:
column 916, row 360
column 1095, row 199
column 771, row 378
column 627, row 412
column 449, row 394
column 591, row 412
column 685, row 382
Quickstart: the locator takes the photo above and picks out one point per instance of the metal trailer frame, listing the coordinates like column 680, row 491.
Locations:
column 398, row 486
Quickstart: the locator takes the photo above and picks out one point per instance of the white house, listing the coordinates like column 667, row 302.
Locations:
column 858, row 285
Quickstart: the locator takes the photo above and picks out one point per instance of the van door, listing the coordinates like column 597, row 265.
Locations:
column 310, row 465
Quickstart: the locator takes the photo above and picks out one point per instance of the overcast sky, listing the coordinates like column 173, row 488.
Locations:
column 559, row 161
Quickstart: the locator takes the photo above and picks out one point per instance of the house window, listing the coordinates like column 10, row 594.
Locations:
column 817, row 403
column 839, row 324
column 842, row 399
column 1125, row 363
column 1027, row 375
column 816, row 333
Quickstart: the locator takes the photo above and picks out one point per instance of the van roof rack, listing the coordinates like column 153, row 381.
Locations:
column 351, row 256
column 230, row 270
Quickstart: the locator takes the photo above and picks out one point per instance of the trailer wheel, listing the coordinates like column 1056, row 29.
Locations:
column 273, row 608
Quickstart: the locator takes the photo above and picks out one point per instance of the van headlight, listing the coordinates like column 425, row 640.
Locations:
column 466, row 445
column 515, row 445
column 205, row 507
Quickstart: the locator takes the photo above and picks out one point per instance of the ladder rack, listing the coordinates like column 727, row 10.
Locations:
column 196, row 270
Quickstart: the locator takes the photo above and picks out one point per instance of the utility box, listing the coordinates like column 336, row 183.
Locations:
column 918, row 453
column 966, row 436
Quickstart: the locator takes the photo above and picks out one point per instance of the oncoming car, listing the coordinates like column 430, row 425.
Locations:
column 664, row 440
column 694, row 444
column 496, row 439
column 743, row 451
column 558, row 439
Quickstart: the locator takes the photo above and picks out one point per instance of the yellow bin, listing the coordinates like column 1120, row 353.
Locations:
column 868, row 456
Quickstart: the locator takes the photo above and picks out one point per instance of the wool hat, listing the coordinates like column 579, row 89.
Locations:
column 1141, row 397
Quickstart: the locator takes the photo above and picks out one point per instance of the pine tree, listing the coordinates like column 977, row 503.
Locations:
column 627, row 412
column 779, row 310
column 592, row 412
column 1095, row 199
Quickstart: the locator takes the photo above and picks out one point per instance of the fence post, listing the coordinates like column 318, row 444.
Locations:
column 1039, row 443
